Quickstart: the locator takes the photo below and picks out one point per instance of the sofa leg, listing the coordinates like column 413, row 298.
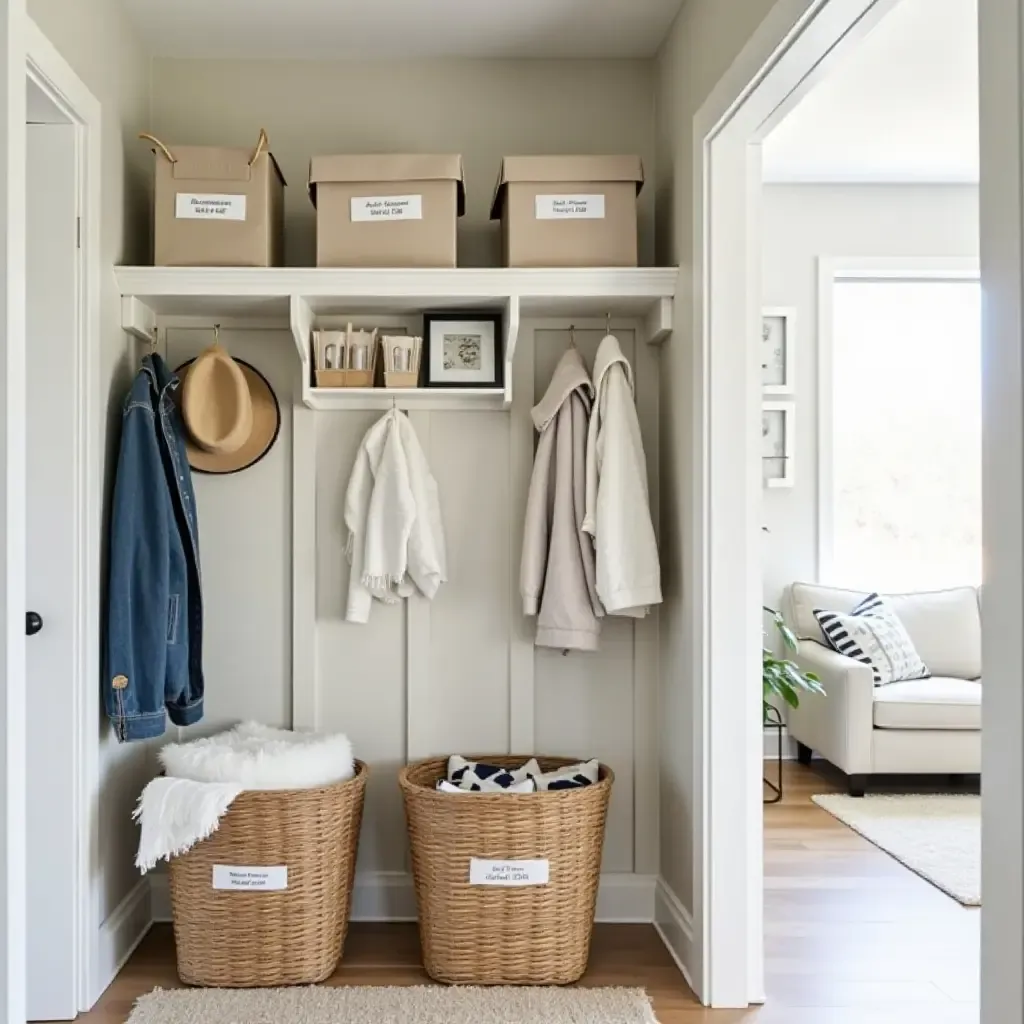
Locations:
column 857, row 784
column 803, row 753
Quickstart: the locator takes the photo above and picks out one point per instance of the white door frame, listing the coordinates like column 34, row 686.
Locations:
column 30, row 55
column 796, row 45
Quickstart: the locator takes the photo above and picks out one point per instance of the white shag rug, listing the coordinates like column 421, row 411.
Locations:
column 416, row 1004
column 936, row 836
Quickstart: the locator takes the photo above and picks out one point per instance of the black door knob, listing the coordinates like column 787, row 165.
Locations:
column 33, row 623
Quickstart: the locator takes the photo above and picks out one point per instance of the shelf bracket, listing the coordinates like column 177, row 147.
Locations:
column 658, row 322
column 511, row 341
column 301, row 322
column 137, row 319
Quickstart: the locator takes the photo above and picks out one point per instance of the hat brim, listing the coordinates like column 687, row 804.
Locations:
column 266, row 425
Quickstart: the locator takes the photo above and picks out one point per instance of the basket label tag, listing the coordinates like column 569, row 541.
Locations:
column 387, row 208
column 581, row 207
column 510, row 873
column 228, row 876
column 188, row 206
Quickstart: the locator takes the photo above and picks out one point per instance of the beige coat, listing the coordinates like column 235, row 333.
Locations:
column 558, row 577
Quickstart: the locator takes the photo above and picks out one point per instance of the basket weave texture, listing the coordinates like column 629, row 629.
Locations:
column 484, row 935
column 233, row 939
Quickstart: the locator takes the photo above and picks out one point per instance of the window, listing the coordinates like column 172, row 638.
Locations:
column 902, row 494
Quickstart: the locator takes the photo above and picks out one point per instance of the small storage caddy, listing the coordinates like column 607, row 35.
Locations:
column 265, row 900
column 506, row 884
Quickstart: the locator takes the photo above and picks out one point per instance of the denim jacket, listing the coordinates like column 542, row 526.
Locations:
column 154, row 625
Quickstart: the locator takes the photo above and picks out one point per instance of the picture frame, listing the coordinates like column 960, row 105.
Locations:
column 777, row 350
column 463, row 350
column 778, row 444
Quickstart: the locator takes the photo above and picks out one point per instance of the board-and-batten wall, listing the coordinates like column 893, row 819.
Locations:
column 460, row 673
column 421, row 678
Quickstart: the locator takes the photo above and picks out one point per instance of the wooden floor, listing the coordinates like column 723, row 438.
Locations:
column 852, row 937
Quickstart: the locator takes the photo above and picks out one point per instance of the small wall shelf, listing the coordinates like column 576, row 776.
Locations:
column 296, row 299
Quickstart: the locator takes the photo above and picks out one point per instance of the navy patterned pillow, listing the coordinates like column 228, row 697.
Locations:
column 479, row 777
column 573, row 776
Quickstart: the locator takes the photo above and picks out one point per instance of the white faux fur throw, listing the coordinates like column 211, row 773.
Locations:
column 205, row 776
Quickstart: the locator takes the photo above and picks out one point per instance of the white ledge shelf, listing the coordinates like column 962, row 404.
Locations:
column 296, row 299
column 426, row 399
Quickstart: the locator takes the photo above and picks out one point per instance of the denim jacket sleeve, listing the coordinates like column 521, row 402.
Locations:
column 138, row 584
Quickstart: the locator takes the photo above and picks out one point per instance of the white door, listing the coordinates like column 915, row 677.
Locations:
column 52, row 289
column 12, row 513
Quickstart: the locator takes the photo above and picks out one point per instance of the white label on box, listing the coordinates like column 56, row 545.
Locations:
column 227, row 876
column 189, row 206
column 590, row 207
column 508, row 873
column 387, row 208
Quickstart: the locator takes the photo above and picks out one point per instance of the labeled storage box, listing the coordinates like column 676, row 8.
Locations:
column 217, row 207
column 265, row 900
column 386, row 211
column 506, row 884
column 568, row 211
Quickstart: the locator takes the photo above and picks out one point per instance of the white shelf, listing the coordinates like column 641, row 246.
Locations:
column 435, row 399
column 296, row 297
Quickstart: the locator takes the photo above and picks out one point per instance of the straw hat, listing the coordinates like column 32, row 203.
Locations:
column 230, row 410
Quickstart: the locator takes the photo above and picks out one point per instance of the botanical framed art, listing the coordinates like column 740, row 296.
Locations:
column 778, row 443
column 778, row 350
column 463, row 350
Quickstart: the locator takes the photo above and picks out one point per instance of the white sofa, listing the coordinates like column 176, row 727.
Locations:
column 922, row 726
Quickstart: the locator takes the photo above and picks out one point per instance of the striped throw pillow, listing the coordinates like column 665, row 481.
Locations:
column 873, row 635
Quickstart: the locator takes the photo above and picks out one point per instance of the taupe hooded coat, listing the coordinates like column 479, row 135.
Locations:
column 558, row 578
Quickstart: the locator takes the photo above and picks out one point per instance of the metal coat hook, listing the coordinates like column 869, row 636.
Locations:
column 572, row 335
column 216, row 334
column 607, row 323
column 154, row 341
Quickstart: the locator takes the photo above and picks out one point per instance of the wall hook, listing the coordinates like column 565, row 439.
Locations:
column 572, row 335
column 216, row 334
column 607, row 323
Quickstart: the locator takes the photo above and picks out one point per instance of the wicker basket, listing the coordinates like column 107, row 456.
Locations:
column 490, row 935
column 295, row 936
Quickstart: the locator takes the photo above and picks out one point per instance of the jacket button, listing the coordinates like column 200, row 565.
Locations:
column 119, row 682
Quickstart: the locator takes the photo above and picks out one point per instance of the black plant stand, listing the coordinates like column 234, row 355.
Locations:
column 773, row 720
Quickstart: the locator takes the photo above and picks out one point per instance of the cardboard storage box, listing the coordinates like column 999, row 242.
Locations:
column 568, row 211
column 217, row 207
column 386, row 211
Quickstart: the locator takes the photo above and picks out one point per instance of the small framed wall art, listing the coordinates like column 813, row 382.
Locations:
column 463, row 350
column 778, row 443
column 778, row 350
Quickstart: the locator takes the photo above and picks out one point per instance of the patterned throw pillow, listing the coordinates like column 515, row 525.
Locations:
column 479, row 777
column 873, row 635
column 526, row 786
column 573, row 776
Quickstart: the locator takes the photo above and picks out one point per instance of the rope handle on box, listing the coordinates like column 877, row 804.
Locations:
column 156, row 142
column 260, row 146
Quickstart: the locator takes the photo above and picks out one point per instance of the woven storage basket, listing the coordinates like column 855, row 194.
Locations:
column 237, row 939
column 490, row 935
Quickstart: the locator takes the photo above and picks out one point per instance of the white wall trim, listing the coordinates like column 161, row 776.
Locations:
column 674, row 923
column 45, row 66
column 390, row 896
column 795, row 41
column 305, row 680
column 858, row 268
column 119, row 936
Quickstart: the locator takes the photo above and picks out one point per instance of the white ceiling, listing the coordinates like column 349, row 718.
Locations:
column 402, row 28
column 901, row 107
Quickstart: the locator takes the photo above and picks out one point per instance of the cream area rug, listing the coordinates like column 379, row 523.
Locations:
column 417, row 1004
column 937, row 836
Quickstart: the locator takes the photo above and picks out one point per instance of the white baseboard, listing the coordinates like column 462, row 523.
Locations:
column 389, row 896
column 674, row 923
column 122, row 931
column 771, row 748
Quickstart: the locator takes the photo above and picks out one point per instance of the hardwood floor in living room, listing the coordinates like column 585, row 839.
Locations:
column 851, row 937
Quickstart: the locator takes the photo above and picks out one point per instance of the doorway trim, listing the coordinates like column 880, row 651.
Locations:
column 797, row 44
column 51, row 73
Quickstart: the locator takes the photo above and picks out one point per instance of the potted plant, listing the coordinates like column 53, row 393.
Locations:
column 782, row 677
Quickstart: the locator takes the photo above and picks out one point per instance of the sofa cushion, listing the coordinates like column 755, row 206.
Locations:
column 937, row 703
column 873, row 634
column 945, row 625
